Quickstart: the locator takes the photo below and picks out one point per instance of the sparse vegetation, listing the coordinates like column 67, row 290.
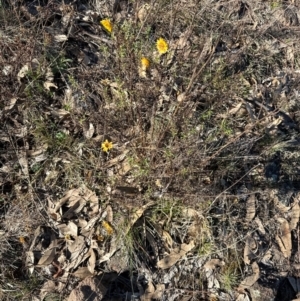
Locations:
column 141, row 132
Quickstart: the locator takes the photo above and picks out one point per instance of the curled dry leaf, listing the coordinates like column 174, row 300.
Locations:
column 70, row 229
column 88, row 130
column 47, row 258
column 209, row 267
column 249, row 250
column 22, row 73
column 109, row 214
column 280, row 206
column 48, row 287
column 212, row 264
column 48, row 85
column 175, row 255
column 136, row 215
column 29, row 262
column 250, row 207
column 92, row 261
column 76, row 247
column 260, row 227
column 235, row 109
column 295, row 214
column 60, row 38
column 285, row 239
column 82, row 273
column 250, row 280
column 11, row 104
column 148, row 293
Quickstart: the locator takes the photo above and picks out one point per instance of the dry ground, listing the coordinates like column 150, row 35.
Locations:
column 198, row 198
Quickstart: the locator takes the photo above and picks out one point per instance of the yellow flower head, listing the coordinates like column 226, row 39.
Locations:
column 145, row 63
column 107, row 25
column 106, row 146
column 162, row 46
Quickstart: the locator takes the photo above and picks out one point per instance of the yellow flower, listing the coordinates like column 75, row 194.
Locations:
column 108, row 228
column 162, row 45
column 106, row 146
column 107, row 25
column 145, row 63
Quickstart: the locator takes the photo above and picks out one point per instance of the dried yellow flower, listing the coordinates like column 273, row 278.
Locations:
column 107, row 25
column 106, row 146
column 108, row 228
column 145, row 63
column 162, row 46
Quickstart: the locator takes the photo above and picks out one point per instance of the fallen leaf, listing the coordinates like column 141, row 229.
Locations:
column 11, row 104
column 29, row 262
column 92, row 261
column 285, row 239
column 88, row 130
column 250, row 207
column 235, row 109
column 47, row 257
column 60, row 38
column 250, row 280
column 82, row 273
column 48, row 287
column 249, row 250
column 48, row 85
column 175, row 256
column 22, row 73
column 295, row 214
column 209, row 267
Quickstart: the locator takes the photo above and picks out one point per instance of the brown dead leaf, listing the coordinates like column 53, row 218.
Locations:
column 250, row 207
column 117, row 159
column 48, row 287
column 160, row 288
column 260, row 226
column 82, row 273
column 147, row 295
column 235, row 109
column 213, row 264
column 175, row 256
column 136, row 215
column 209, row 267
column 285, row 239
column 47, row 258
column 76, row 247
column 295, row 214
column 249, row 250
column 92, row 261
column 250, row 280
column 70, row 229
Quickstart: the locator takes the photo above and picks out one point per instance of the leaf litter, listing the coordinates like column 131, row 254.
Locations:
column 85, row 230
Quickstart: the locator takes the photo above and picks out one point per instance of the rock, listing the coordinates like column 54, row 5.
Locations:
column 89, row 289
